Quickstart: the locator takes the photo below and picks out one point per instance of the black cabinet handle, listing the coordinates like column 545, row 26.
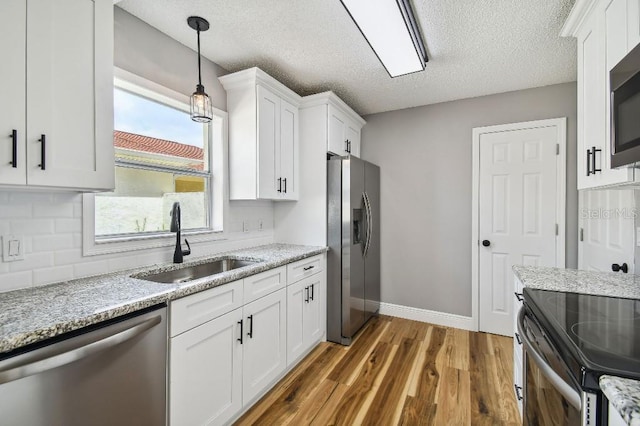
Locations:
column 307, row 268
column 624, row 268
column 518, row 339
column 250, row 333
column 14, row 143
column 285, row 185
column 588, row 162
column 486, row 243
column 241, row 332
column 312, row 291
column 593, row 160
column 519, row 296
column 306, row 294
column 43, row 150
column 279, row 184
column 518, row 389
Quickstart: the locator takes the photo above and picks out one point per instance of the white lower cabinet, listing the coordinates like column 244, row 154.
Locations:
column 305, row 315
column 518, row 379
column 265, row 343
column 231, row 343
column 206, row 372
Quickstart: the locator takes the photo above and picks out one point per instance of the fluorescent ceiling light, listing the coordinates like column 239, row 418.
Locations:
column 392, row 32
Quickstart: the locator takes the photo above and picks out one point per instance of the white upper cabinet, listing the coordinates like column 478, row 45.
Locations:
column 342, row 123
column 344, row 132
column 65, row 140
column 263, row 137
column 605, row 32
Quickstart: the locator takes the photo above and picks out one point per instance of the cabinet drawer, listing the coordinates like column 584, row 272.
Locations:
column 264, row 283
column 191, row 311
column 304, row 268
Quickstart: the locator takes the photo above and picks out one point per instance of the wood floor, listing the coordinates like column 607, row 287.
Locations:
column 397, row 372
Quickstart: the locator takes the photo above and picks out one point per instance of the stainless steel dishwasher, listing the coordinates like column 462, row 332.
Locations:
column 113, row 373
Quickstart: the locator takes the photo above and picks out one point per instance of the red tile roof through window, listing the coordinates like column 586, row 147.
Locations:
column 136, row 142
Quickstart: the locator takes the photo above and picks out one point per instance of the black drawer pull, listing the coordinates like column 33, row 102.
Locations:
column 519, row 296
column 241, row 332
column 285, row 185
column 588, row 162
column 306, row 296
column 306, row 268
column 312, row 287
column 518, row 339
column 518, row 394
column 250, row 333
column 279, row 184
column 593, row 160
column 14, row 152
column 43, row 150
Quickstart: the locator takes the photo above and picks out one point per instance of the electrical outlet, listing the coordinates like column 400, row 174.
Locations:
column 260, row 225
column 245, row 226
column 12, row 248
column 638, row 236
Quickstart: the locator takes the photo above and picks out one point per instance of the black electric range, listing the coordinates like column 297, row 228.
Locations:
column 595, row 335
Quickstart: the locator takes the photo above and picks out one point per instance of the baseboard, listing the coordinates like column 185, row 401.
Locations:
column 425, row 315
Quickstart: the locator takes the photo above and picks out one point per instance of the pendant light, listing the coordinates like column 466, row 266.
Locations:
column 200, row 101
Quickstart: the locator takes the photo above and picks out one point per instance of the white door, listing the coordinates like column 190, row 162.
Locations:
column 517, row 221
column 607, row 226
column 70, row 94
column 205, row 372
column 288, row 150
column 13, row 32
column 314, row 314
column 268, row 144
column 337, row 142
column 297, row 299
column 265, row 343
column 353, row 136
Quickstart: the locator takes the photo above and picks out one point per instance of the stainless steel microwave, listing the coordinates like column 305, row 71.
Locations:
column 625, row 110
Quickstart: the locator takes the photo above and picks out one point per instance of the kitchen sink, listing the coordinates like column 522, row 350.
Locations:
column 194, row 272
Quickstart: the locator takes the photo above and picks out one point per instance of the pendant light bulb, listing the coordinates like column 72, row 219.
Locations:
column 201, row 110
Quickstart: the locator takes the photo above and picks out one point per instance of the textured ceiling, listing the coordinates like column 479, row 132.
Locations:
column 475, row 47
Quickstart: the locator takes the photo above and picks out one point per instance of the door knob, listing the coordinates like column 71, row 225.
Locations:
column 486, row 243
column 624, row 268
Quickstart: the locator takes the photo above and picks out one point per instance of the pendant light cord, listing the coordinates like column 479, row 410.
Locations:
column 199, row 66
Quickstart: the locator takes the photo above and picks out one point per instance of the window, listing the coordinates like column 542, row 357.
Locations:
column 161, row 157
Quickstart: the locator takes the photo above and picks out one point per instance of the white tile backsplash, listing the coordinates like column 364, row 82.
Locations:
column 51, row 225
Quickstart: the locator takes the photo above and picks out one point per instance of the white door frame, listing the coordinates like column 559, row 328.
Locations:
column 561, row 125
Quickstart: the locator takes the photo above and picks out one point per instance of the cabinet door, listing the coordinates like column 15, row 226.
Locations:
column 268, row 144
column 591, row 99
column 288, row 152
column 337, row 142
column 12, row 85
column 633, row 23
column 265, row 343
column 205, row 372
column 353, row 136
column 70, row 93
column 297, row 299
column 314, row 323
column 616, row 32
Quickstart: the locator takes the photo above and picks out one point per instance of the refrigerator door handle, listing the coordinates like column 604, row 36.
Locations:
column 369, row 214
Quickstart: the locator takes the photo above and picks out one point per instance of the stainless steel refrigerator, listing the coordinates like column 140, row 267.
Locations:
column 353, row 261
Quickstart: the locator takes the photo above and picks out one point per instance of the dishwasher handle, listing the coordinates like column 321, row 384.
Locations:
column 565, row 389
column 54, row 356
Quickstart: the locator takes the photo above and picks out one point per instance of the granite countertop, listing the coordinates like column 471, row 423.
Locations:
column 34, row 314
column 624, row 395
column 614, row 284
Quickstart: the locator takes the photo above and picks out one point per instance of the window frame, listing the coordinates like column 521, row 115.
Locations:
column 216, row 193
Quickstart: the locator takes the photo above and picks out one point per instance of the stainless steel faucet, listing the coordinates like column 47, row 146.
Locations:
column 178, row 254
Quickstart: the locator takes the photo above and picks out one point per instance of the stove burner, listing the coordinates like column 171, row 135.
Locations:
column 609, row 337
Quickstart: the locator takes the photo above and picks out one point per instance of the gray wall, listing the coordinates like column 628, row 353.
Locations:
column 424, row 155
column 143, row 50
